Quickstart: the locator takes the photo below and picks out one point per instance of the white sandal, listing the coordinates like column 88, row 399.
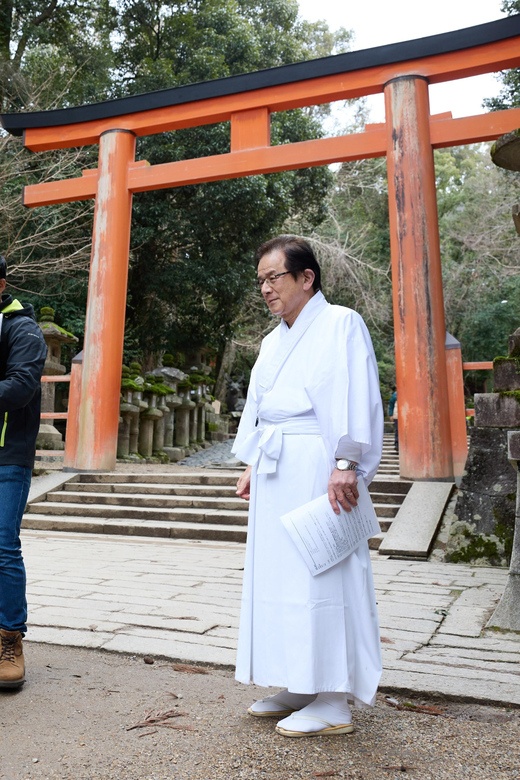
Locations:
column 344, row 728
column 279, row 705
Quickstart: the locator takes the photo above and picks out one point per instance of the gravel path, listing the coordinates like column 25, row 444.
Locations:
column 71, row 722
column 218, row 455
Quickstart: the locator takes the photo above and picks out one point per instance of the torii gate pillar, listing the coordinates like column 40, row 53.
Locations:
column 420, row 332
column 105, row 324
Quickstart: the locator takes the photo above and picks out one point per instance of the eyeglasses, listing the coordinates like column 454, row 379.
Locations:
column 271, row 280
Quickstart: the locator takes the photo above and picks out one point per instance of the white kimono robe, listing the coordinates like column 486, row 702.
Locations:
column 314, row 394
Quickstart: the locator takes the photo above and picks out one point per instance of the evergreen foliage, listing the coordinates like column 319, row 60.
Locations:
column 191, row 249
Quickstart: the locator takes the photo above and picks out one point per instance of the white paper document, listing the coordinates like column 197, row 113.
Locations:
column 324, row 538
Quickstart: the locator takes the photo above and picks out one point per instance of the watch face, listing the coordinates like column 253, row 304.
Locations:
column 345, row 465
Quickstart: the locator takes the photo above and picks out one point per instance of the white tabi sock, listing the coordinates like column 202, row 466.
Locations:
column 282, row 702
column 329, row 709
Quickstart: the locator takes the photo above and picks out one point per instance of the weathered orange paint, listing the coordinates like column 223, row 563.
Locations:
column 369, row 81
column 248, row 162
column 473, row 129
column 61, row 191
column 71, row 438
column 479, row 366
column 105, row 321
column 83, row 187
column 54, row 415
column 422, row 390
column 64, row 378
column 323, row 151
column 250, row 129
column 459, row 434
column 262, row 160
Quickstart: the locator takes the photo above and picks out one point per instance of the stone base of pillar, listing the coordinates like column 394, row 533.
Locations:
column 175, row 453
column 217, row 436
column 507, row 614
column 49, row 438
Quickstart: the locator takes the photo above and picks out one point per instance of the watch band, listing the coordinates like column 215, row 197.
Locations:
column 342, row 464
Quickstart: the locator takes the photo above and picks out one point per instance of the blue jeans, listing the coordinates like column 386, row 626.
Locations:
column 14, row 490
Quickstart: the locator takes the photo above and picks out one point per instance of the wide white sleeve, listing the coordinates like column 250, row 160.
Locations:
column 351, row 450
column 345, row 393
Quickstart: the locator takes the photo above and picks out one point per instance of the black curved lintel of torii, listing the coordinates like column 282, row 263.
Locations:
column 419, row 48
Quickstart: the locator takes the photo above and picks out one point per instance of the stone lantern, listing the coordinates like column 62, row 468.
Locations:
column 49, row 438
column 171, row 377
column 129, row 413
column 148, row 420
column 182, row 433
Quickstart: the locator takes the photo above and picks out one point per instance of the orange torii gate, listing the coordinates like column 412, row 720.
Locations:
column 402, row 71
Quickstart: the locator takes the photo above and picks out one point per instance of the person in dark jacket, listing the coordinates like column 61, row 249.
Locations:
column 22, row 356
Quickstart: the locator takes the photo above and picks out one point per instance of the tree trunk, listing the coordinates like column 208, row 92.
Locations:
column 6, row 20
column 228, row 358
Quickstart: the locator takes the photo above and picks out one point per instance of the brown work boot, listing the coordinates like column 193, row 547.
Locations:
column 12, row 664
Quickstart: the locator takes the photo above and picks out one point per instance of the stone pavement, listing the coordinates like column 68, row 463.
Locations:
column 181, row 600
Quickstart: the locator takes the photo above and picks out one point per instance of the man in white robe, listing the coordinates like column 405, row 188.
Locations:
column 313, row 424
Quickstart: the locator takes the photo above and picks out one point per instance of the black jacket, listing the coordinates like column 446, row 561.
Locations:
column 22, row 356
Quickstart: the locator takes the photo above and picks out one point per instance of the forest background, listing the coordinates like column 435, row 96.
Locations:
column 191, row 280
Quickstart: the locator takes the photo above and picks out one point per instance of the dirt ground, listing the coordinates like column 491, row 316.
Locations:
column 72, row 720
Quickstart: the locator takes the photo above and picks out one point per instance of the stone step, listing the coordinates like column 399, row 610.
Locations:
column 219, row 491
column 188, row 504
column 132, row 527
column 148, row 500
column 214, row 516
column 390, row 484
column 379, row 486
column 375, row 542
column 387, row 498
column 167, row 478
column 386, row 510
column 86, row 503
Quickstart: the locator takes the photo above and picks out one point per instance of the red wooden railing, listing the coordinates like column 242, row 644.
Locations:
column 478, row 366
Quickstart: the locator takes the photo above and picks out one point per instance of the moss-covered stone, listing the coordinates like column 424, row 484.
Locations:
column 49, row 325
column 510, row 394
column 466, row 546
column 129, row 384
column 197, row 379
column 47, row 314
column 486, row 502
column 501, row 359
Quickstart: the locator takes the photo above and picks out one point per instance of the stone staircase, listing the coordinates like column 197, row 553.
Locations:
column 186, row 504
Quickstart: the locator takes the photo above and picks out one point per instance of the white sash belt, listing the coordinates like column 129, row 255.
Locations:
column 264, row 444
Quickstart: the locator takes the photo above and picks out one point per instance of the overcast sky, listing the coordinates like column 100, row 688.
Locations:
column 379, row 22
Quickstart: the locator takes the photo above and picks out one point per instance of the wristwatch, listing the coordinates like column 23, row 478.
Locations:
column 346, row 465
